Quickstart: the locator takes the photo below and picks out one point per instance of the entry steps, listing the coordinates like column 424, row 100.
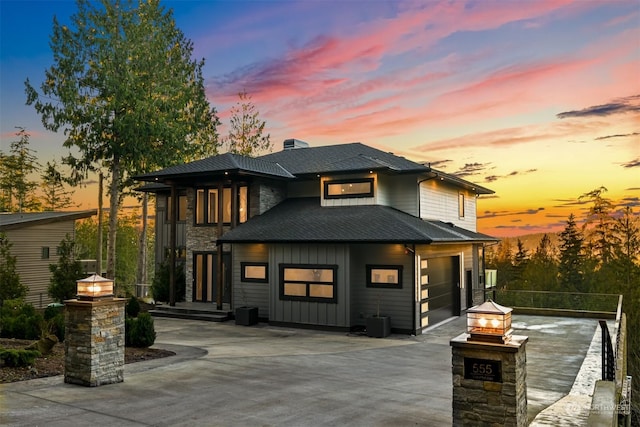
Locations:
column 206, row 313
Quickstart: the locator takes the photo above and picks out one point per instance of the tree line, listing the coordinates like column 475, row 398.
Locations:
column 598, row 254
column 19, row 187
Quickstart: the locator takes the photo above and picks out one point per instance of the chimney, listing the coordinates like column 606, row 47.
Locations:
column 291, row 144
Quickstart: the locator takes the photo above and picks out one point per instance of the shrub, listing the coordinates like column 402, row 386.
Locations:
column 20, row 320
column 12, row 287
column 133, row 307
column 18, row 358
column 139, row 331
column 160, row 286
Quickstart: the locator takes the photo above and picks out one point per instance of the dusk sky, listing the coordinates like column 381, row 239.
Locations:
column 536, row 100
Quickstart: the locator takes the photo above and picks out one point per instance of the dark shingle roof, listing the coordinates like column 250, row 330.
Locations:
column 219, row 164
column 304, row 220
column 287, row 164
column 341, row 158
column 9, row 221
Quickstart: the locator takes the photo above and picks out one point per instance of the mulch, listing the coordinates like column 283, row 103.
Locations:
column 53, row 363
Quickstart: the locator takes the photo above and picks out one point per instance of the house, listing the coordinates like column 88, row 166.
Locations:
column 35, row 238
column 323, row 236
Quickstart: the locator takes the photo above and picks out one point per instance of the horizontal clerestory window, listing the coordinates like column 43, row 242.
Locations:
column 348, row 188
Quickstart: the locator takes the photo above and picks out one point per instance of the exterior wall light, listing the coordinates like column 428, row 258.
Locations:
column 94, row 287
column 489, row 322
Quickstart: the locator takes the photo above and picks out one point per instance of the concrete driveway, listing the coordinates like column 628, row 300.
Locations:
column 228, row 375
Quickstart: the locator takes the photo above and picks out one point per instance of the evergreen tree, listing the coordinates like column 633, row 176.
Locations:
column 598, row 227
column 541, row 271
column 17, row 188
column 571, row 267
column 520, row 262
column 246, row 131
column 65, row 274
column 626, row 254
column 55, row 196
column 12, row 287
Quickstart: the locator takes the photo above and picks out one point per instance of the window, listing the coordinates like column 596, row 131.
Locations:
column 182, row 208
column 384, row 276
column 44, row 252
column 207, row 205
column 461, row 205
column 254, row 272
column 347, row 188
column 304, row 282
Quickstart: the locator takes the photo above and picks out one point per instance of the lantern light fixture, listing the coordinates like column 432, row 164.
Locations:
column 94, row 287
column 489, row 322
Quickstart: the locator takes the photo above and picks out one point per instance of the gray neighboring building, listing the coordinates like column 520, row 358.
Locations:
column 35, row 237
column 325, row 236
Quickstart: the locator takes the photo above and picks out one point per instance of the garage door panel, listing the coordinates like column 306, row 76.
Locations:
column 437, row 291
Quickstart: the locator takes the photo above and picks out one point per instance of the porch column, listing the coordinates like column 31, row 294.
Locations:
column 172, row 245
column 220, row 267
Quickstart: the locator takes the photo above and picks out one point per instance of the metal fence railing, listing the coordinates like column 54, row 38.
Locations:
column 584, row 303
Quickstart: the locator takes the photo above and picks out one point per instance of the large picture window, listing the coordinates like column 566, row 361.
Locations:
column 254, row 272
column 304, row 282
column 207, row 205
column 348, row 188
column 384, row 276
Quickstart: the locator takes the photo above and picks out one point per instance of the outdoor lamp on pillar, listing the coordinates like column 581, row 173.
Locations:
column 94, row 287
column 489, row 322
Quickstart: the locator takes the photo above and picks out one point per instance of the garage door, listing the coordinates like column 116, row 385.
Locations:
column 439, row 289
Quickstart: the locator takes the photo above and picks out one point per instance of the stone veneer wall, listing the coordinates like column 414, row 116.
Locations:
column 262, row 197
column 487, row 403
column 94, row 342
column 199, row 239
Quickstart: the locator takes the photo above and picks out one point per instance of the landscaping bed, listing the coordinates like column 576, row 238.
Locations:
column 53, row 363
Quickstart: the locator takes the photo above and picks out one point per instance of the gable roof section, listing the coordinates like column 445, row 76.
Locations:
column 12, row 221
column 303, row 220
column 341, row 158
column 218, row 164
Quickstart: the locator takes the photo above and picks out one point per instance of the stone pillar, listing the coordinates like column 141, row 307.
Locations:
column 489, row 382
column 94, row 342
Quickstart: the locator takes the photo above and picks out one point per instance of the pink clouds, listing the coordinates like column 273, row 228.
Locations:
column 347, row 84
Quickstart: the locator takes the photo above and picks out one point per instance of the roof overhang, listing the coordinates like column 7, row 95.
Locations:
column 12, row 221
column 305, row 221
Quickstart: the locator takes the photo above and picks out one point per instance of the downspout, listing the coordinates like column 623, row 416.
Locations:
column 420, row 182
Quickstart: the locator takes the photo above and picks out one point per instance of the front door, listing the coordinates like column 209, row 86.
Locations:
column 205, row 277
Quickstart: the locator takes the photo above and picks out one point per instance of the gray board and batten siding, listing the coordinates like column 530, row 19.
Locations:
column 354, row 300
